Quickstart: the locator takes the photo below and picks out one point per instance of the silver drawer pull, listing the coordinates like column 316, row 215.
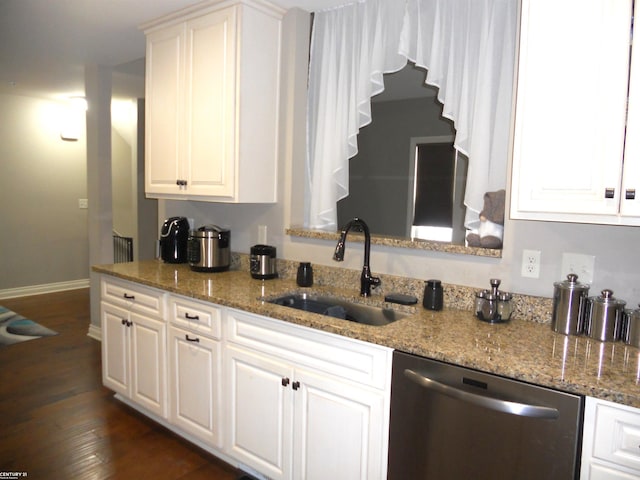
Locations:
column 630, row 194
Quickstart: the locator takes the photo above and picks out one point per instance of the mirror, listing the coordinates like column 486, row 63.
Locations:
column 406, row 119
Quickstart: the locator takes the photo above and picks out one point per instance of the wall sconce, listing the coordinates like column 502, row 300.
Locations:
column 74, row 119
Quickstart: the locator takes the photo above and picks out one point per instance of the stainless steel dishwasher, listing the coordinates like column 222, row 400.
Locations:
column 454, row 423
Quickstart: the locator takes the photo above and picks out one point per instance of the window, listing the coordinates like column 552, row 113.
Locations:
column 436, row 195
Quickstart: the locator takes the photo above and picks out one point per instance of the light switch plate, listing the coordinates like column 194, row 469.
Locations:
column 580, row 264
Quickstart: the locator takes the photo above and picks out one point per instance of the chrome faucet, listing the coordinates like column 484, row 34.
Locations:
column 366, row 280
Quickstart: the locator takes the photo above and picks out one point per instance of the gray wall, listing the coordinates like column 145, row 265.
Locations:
column 43, row 235
column 122, row 184
column 45, row 238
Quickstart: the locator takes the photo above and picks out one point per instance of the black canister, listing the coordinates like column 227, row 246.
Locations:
column 433, row 295
column 304, row 277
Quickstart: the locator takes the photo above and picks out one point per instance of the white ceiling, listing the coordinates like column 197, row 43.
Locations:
column 45, row 44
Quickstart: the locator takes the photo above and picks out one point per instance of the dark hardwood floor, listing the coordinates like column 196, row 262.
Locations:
column 57, row 421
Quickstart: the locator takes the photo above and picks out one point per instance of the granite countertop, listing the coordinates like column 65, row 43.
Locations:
column 519, row 349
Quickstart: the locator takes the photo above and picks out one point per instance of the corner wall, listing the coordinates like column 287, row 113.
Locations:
column 44, row 236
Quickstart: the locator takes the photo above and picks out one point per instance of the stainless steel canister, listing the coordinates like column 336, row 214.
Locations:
column 631, row 333
column 569, row 305
column 604, row 320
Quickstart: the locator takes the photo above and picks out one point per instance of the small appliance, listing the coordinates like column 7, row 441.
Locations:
column 262, row 262
column 209, row 249
column 174, row 236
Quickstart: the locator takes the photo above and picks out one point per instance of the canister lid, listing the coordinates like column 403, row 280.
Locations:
column 572, row 283
column 634, row 314
column 606, row 296
column 209, row 231
column 267, row 250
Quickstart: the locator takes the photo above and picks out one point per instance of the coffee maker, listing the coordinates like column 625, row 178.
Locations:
column 174, row 237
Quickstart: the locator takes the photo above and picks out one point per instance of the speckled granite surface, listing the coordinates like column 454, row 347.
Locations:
column 416, row 244
column 521, row 349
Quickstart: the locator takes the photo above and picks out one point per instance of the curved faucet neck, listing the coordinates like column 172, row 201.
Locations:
column 367, row 236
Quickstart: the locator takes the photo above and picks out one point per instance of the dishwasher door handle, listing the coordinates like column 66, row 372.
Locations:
column 505, row 406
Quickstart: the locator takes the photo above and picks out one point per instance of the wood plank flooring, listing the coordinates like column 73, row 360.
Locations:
column 57, row 421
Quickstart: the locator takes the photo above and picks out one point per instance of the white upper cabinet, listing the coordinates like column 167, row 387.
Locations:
column 212, row 99
column 630, row 193
column 569, row 159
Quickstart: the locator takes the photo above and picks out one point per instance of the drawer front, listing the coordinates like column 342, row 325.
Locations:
column 617, row 435
column 133, row 296
column 351, row 359
column 201, row 317
column 601, row 472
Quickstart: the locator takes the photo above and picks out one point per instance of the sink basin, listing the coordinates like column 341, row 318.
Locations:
column 339, row 308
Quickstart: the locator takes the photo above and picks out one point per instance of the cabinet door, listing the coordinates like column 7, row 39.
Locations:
column 259, row 395
column 195, row 384
column 210, row 103
column 115, row 348
column 630, row 195
column 163, row 105
column 148, row 363
column 601, row 472
column 338, row 431
column 570, row 108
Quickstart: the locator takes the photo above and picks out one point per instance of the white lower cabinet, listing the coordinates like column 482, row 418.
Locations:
column 194, row 384
column 195, row 369
column 289, row 402
column 134, row 344
column 611, row 441
column 259, row 411
column 297, row 405
column 337, row 429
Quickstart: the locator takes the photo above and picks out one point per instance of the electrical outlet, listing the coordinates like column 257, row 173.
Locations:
column 83, row 203
column 530, row 263
column 581, row 265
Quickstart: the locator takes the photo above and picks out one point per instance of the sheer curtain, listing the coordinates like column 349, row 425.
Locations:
column 468, row 48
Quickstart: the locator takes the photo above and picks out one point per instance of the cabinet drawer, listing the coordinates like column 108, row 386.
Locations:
column 601, row 472
column 133, row 296
column 201, row 317
column 348, row 358
column 617, row 435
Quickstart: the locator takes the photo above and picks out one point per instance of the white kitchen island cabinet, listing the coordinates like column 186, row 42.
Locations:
column 303, row 404
column 134, row 343
column 212, row 96
column 569, row 159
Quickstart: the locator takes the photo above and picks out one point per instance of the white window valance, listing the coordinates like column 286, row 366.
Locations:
column 468, row 49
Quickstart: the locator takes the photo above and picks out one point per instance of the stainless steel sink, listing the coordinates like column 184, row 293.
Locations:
column 339, row 308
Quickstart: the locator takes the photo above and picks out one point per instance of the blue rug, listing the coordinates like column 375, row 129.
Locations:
column 15, row 328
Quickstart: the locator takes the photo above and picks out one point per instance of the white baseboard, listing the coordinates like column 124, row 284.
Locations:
column 95, row 332
column 45, row 288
